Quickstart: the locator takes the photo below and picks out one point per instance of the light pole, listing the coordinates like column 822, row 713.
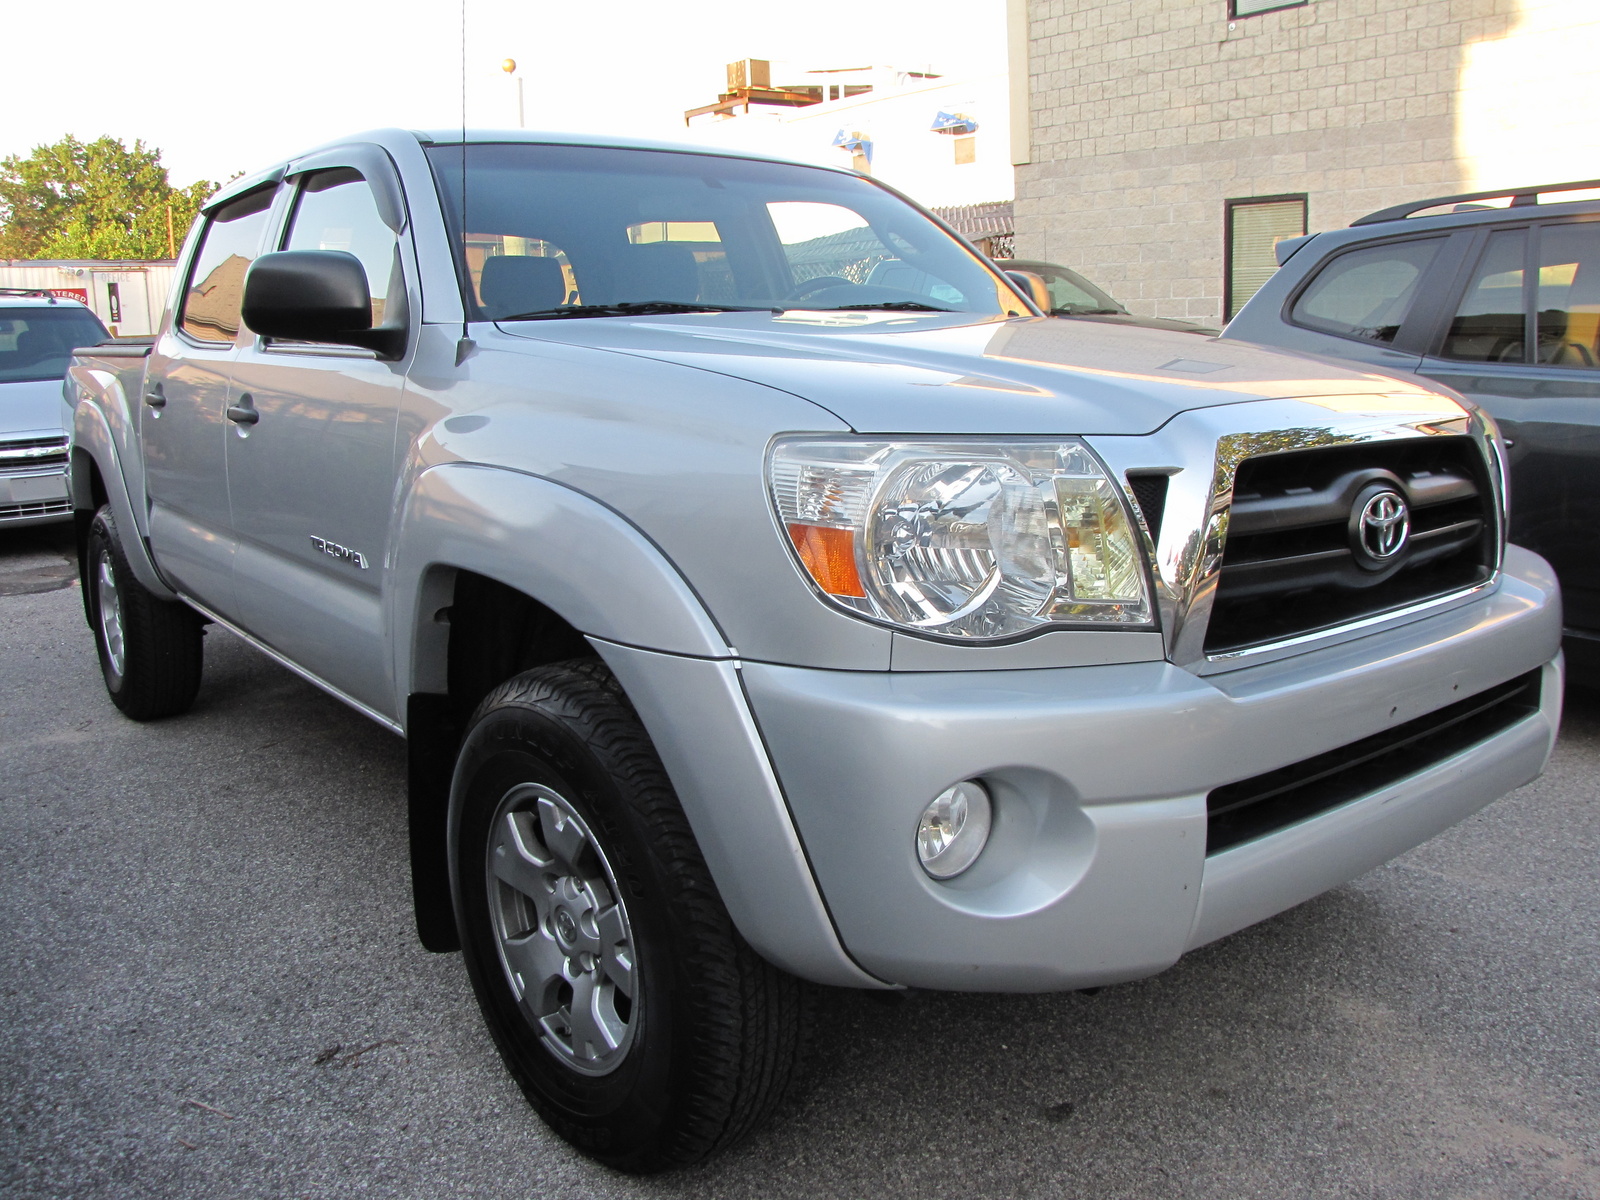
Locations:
column 509, row 66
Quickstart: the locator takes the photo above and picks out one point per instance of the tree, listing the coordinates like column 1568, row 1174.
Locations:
column 93, row 200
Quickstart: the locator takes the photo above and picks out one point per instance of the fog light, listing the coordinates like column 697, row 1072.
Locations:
column 954, row 829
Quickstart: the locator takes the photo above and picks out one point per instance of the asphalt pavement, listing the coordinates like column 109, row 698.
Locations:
column 209, row 987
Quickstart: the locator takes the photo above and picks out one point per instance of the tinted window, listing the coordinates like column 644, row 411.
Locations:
column 1366, row 293
column 335, row 211
column 616, row 226
column 1568, row 305
column 35, row 343
column 216, row 281
column 1490, row 325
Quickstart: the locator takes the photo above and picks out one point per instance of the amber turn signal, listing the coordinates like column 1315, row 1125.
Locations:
column 830, row 556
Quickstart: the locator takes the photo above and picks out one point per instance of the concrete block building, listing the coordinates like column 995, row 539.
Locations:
column 1163, row 147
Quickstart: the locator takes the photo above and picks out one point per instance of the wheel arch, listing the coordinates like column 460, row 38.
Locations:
column 567, row 552
column 97, row 478
column 496, row 572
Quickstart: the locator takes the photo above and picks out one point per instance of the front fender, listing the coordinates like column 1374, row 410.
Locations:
column 610, row 582
column 565, row 549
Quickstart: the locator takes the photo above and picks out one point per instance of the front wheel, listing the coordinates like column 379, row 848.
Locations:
column 636, row 1021
column 150, row 649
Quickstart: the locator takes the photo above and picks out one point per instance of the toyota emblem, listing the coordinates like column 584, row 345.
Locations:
column 1384, row 525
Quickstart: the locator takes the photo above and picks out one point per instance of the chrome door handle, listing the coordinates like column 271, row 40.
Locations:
column 244, row 412
column 154, row 396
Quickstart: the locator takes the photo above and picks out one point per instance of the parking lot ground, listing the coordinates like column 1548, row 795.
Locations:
column 210, row 988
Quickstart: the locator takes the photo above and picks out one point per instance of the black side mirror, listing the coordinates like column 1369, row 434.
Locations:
column 315, row 296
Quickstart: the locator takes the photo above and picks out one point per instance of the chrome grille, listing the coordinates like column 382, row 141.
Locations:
column 28, row 454
column 1293, row 560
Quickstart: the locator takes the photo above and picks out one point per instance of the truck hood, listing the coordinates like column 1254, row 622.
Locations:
column 34, row 408
column 951, row 373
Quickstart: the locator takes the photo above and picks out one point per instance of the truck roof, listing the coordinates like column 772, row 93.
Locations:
column 454, row 137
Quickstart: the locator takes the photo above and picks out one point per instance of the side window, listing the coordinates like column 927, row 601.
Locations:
column 216, row 281
column 1365, row 293
column 1568, row 305
column 335, row 211
column 1491, row 324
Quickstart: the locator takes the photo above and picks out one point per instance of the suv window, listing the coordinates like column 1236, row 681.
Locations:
column 336, row 211
column 216, row 281
column 1366, row 293
column 1491, row 323
column 1568, row 306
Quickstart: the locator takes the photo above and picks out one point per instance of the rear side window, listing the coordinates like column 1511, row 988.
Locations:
column 1365, row 293
column 336, row 211
column 216, row 281
column 1491, row 323
column 1568, row 305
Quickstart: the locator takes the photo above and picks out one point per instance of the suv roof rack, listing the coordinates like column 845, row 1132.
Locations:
column 1519, row 198
column 41, row 293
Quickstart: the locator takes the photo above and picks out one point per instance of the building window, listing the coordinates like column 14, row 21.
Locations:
column 966, row 150
column 1249, row 8
column 1252, row 230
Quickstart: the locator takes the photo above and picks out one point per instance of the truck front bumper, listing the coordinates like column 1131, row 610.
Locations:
column 1097, row 869
column 805, row 788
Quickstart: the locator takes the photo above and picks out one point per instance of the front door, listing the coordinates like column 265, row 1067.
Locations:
column 312, row 476
column 183, row 412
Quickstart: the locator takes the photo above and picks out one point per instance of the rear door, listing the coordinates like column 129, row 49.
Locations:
column 312, row 477
column 1524, row 342
column 183, row 412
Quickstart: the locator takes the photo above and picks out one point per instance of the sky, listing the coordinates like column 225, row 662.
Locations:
column 219, row 97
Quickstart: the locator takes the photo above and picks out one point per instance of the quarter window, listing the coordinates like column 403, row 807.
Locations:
column 1365, row 293
column 1568, row 305
column 216, row 281
column 336, row 211
column 1491, row 323
column 1254, row 228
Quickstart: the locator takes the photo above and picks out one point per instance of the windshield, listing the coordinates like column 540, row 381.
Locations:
column 36, row 343
column 550, row 227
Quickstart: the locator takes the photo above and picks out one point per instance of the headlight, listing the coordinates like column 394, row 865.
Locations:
column 971, row 540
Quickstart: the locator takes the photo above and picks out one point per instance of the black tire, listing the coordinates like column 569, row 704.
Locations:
column 155, row 671
column 711, row 1034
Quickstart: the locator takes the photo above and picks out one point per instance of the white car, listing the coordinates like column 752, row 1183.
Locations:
column 37, row 334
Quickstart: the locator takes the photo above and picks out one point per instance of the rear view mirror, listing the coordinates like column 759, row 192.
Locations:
column 315, row 296
column 1033, row 287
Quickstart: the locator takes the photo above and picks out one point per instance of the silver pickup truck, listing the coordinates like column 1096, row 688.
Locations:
column 768, row 594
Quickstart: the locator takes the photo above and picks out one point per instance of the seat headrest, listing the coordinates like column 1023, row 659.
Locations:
column 515, row 283
column 661, row 271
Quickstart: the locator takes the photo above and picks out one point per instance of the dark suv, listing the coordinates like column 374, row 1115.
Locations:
column 1497, row 295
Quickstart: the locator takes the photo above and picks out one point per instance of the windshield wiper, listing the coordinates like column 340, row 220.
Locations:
column 887, row 306
column 1085, row 310
column 631, row 308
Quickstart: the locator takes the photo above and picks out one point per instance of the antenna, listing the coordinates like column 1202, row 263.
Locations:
column 465, row 345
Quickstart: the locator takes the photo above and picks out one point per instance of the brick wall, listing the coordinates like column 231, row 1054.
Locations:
column 1146, row 115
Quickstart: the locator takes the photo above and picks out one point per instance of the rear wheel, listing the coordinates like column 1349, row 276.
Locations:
column 150, row 649
column 630, row 1012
